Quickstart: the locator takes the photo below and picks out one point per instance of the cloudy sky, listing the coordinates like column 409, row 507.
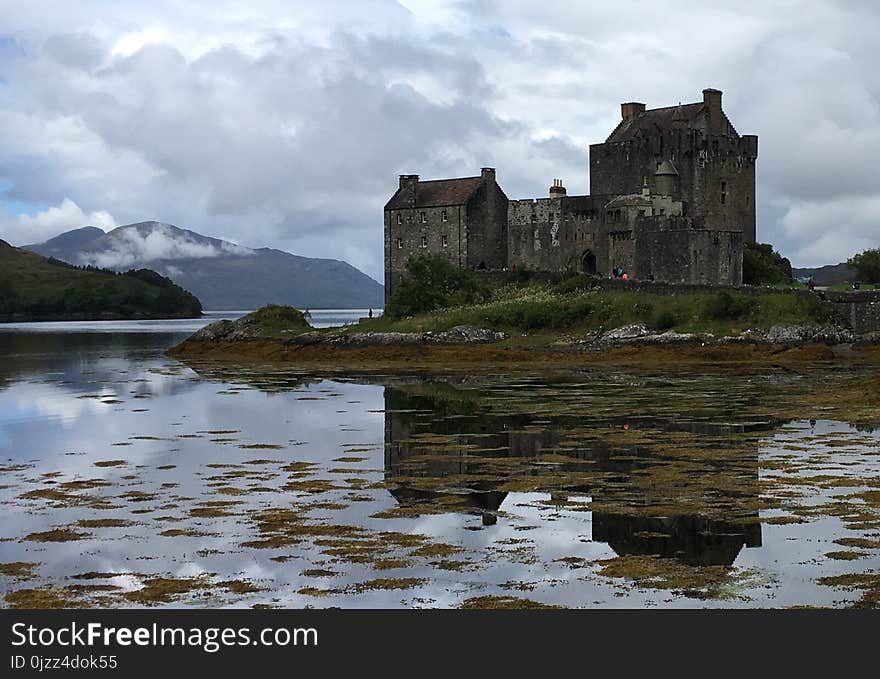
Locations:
column 286, row 122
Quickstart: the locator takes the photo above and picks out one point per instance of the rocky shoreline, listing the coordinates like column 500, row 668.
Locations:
column 789, row 335
column 638, row 334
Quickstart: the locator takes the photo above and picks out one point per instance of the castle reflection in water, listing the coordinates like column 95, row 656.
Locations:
column 445, row 450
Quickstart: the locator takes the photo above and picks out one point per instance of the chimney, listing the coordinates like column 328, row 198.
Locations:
column 408, row 180
column 488, row 173
column 712, row 100
column 631, row 109
column 557, row 190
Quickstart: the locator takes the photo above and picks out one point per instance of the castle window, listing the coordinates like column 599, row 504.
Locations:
column 443, row 216
column 641, row 213
column 424, row 241
column 444, row 241
column 400, row 243
column 423, row 217
column 723, row 193
column 399, row 218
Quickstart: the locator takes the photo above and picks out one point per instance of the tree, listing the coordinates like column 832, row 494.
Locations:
column 433, row 282
column 762, row 265
column 867, row 265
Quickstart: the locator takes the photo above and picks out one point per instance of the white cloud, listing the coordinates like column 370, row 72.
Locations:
column 287, row 128
column 132, row 42
column 25, row 229
column 832, row 231
column 133, row 246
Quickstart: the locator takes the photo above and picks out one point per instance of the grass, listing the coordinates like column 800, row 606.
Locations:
column 846, row 286
column 276, row 319
column 541, row 307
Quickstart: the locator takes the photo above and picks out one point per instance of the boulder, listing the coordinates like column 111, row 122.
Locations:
column 626, row 332
column 753, row 335
column 466, row 334
column 799, row 334
column 672, row 337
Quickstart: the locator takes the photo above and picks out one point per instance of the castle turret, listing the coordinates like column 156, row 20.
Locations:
column 666, row 179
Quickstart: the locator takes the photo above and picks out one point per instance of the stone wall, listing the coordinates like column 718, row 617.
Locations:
column 687, row 255
column 859, row 311
column 560, row 235
column 487, row 228
column 444, row 230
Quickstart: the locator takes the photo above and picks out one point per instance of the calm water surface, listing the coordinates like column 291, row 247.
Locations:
column 131, row 479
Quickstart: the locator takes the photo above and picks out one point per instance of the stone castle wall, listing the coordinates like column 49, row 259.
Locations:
column 708, row 167
column 487, row 239
column 443, row 228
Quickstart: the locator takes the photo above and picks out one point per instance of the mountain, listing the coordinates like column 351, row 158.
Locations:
column 67, row 241
column 36, row 288
column 223, row 275
column 830, row 274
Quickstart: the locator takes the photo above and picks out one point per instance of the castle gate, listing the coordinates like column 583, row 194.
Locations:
column 588, row 262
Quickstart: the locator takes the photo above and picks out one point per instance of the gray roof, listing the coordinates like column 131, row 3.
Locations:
column 637, row 199
column 655, row 119
column 436, row 193
column 666, row 168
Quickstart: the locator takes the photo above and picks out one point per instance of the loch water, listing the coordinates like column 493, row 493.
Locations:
column 128, row 478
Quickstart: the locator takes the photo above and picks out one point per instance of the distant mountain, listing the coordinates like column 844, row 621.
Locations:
column 828, row 275
column 223, row 275
column 66, row 241
column 37, row 288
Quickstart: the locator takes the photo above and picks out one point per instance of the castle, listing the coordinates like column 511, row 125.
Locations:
column 672, row 198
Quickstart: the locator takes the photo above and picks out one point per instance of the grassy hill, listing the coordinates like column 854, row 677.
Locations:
column 34, row 288
column 435, row 295
column 568, row 309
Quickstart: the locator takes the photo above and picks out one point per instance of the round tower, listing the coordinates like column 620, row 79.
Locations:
column 666, row 179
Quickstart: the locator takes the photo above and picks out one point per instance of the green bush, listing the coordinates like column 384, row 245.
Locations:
column 433, row 282
column 577, row 283
column 726, row 307
column 867, row 265
column 762, row 265
column 663, row 320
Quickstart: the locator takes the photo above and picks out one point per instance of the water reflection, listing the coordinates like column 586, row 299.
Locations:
column 273, row 486
column 448, row 452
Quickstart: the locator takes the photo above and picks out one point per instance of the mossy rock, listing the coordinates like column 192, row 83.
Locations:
column 274, row 321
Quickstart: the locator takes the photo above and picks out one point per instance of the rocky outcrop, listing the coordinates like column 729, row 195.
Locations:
column 639, row 334
column 246, row 328
column 466, row 334
column 287, row 327
column 462, row 334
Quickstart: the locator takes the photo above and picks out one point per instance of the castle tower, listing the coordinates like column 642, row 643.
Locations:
column 690, row 151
